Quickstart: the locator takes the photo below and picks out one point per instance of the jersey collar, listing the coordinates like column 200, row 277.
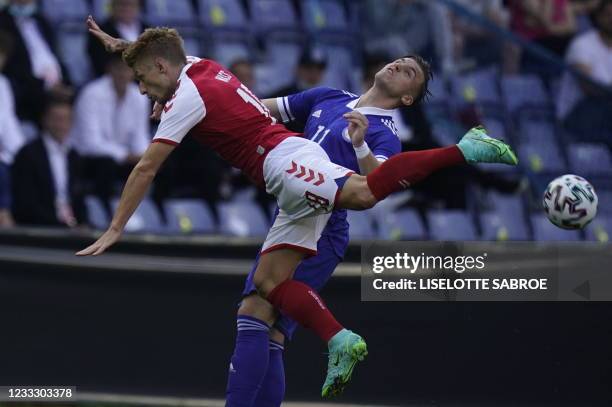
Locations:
column 368, row 110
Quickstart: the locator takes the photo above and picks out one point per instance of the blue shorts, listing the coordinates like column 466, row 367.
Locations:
column 314, row 271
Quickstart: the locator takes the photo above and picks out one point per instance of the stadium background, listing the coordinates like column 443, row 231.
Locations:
column 156, row 317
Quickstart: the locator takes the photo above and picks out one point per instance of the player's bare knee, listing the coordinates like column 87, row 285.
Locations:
column 356, row 194
column 256, row 307
column 277, row 336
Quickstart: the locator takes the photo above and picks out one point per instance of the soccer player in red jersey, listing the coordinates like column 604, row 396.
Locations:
column 202, row 99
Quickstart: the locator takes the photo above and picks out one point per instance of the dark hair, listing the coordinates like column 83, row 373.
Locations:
column 52, row 101
column 6, row 43
column 424, row 92
column 598, row 10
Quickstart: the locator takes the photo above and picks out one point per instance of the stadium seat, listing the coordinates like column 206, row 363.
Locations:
column 96, row 215
column 188, row 216
column 361, row 226
column 242, row 218
column 522, row 92
column 402, row 224
column 541, row 157
column 543, row 230
column 604, row 197
column 274, row 17
column 589, row 159
column 532, row 130
column 146, row 219
column 501, row 225
column 170, row 13
column 508, row 203
column 451, row 225
column 227, row 32
column 278, row 29
column 325, row 18
column 223, row 15
column 600, row 229
column 101, row 9
column 479, row 87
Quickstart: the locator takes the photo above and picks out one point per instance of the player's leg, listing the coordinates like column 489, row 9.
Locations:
column 315, row 272
column 272, row 390
column 299, row 173
column 406, row 169
column 249, row 362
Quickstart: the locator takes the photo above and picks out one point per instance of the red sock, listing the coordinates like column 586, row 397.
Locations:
column 406, row 169
column 303, row 304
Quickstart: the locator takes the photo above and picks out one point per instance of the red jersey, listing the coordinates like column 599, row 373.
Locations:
column 212, row 106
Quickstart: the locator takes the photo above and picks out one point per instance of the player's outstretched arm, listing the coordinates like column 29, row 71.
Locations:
column 111, row 44
column 273, row 108
column 134, row 191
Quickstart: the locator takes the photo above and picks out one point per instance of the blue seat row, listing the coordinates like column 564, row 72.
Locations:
column 502, row 217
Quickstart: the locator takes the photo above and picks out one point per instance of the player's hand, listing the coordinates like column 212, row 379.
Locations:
column 111, row 44
column 104, row 242
column 357, row 128
column 157, row 111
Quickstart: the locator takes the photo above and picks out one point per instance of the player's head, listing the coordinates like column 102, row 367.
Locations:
column 57, row 118
column 120, row 73
column 156, row 58
column 602, row 18
column 405, row 79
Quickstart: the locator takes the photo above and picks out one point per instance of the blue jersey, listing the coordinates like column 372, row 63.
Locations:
column 321, row 111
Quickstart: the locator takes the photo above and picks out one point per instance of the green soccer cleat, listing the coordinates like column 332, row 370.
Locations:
column 478, row 147
column 346, row 348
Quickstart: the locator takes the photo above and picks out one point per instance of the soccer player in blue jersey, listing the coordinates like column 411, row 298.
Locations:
column 327, row 115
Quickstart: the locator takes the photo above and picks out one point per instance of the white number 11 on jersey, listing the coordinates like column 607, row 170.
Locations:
column 249, row 97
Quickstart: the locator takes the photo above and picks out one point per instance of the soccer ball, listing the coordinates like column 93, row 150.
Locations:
column 570, row 202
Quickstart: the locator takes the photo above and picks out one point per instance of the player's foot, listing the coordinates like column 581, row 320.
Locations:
column 346, row 348
column 478, row 147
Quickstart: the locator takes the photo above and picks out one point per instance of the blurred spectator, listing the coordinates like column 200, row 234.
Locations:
column 124, row 22
column 111, row 127
column 308, row 74
column 548, row 23
column 243, row 69
column 11, row 137
column 583, row 108
column 403, row 27
column 46, row 178
column 473, row 44
column 33, row 69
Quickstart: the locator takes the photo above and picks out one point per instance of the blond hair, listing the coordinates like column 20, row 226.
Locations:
column 156, row 42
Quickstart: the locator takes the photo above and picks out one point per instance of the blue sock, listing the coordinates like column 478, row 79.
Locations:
column 272, row 390
column 249, row 362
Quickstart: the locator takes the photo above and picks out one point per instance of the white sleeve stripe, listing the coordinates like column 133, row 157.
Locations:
column 281, row 109
column 381, row 158
column 287, row 108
